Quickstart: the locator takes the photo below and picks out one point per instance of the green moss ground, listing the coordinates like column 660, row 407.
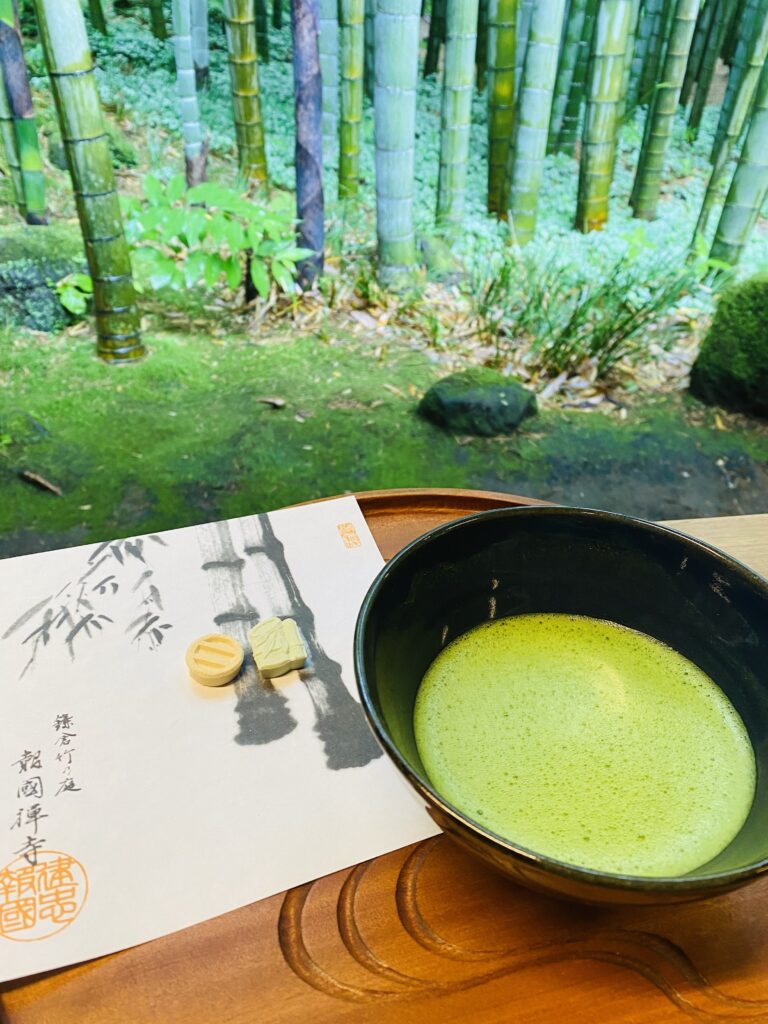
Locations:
column 182, row 438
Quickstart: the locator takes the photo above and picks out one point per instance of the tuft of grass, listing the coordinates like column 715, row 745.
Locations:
column 570, row 317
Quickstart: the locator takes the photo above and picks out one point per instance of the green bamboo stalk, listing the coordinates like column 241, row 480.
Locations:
column 742, row 101
column 601, row 124
column 200, row 50
column 661, row 113
column 624, row 111
column 352, row 32
column 502, row 32
column 435, row 38
column 240, row 23
column 277, row 14
column 565, row 70
column 14, row 81
column 157, row 19
column 709, row 60
column 262, row 30
column 524, row 15
column 734, row 30
column 569, row 131
column 642, row 43
column 654, row 55
column 525, row 159
column 8, row 140
column 70, row 66
column 700, row 35
column 195, row 148
column 456, row 114
column 370, row 47
column 397, row 66
column 481, row 45
column 749, row 187
column 750, row 23
column 96, row 12
column 329, row 68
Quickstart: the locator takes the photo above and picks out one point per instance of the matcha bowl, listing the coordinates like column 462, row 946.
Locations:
column 708, row 607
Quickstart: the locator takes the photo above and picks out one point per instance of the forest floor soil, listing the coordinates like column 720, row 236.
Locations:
column 207, row 428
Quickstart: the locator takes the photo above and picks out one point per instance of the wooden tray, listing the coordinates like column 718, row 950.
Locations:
column 426, row 934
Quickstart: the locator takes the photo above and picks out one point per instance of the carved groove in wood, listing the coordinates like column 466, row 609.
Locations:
column 654, row 957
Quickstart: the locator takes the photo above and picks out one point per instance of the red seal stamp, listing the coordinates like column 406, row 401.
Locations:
column 38, row 900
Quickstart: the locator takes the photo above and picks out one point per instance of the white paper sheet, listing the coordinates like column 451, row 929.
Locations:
column 134, row 802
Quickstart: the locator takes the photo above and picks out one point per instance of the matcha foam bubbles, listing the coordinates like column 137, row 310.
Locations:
column 587, row 742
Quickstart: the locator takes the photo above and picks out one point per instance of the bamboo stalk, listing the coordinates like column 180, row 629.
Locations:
column 157, row 19
column 397, row 56
column 524, row 14
column 277, row 14
column 68, row 57
column 654, row 55
column 96, row 12
column 661, row 113
column 436, row 37
column 458, row 83
column 624, row 111
column 8, row 139
column 525, row 159
column 308, row 93
column 502, row 32
column 195, row 148
column 743, row 97
column 710, row 57
column 569, row 132
column 700, row 35
column 749, row 187
column 481, row 45
column 329, row 68
column 708, row 64
column 741, row 59
column 734, row 30
column 262, row 30
column 200, row 49
column 370, row 47
column 240, row 22
column 601, row 124
column 14, row 81
column 566, row 67
column 642, row 42
column 352, row 31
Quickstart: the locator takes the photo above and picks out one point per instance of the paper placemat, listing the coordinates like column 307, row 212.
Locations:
column 135, row 802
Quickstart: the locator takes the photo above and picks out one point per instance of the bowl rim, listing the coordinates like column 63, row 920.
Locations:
column 663, row 885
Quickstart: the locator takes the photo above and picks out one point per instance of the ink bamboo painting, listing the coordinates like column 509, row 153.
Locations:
column 95, row 639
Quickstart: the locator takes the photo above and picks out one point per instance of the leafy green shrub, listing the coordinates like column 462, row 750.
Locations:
column 184, row 237
column 123, row 151
column 75, row 292
column 732, row 367
column 572, row 316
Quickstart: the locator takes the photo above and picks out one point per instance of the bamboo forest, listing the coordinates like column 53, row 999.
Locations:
column 256, row 252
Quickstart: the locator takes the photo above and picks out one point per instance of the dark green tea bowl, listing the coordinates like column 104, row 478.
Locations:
column 707, row 606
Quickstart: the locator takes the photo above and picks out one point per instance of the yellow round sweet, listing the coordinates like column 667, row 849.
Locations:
column 214, row 659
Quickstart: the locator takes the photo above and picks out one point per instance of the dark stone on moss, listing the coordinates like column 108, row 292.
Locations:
column 732, row 368
column 478, row 401
column 32, row 260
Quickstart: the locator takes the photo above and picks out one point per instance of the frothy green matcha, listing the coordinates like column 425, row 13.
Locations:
column 587, row 742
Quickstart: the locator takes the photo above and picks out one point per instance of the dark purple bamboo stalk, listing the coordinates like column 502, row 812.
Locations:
column 308, row 93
